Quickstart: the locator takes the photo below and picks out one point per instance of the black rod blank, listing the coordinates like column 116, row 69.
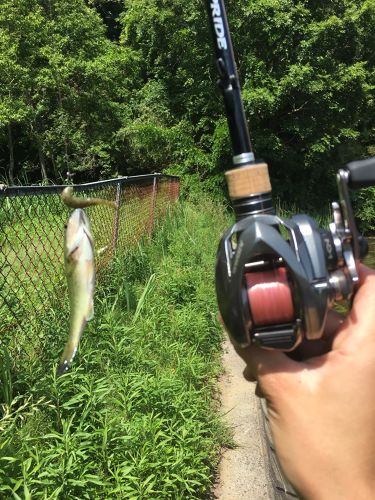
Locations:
column 228, row 79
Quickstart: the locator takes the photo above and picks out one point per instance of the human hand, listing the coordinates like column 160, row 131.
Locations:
column 322, row 409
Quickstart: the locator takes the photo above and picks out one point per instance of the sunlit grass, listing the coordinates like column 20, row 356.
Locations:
column 135, row 417
column 31, row 247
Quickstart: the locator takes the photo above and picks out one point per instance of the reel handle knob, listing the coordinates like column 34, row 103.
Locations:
column 361, row 173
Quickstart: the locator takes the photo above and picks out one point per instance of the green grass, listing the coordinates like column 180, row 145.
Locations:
column 135, row 417
column 32, row 283
column 322, row 218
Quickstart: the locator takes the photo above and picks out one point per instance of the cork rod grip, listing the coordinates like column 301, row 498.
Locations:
column 248, row 181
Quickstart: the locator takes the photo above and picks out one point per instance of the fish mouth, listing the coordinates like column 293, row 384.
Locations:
column 62, row 368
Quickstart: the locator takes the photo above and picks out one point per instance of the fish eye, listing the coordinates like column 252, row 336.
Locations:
column 65, row 226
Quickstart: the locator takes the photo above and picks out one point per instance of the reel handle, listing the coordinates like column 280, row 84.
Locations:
column 361, row 173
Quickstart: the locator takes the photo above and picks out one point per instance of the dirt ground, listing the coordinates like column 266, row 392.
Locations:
column 242, row 471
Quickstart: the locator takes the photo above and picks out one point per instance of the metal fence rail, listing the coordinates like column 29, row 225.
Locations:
column 32, row 222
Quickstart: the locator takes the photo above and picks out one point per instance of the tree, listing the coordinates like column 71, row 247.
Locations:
column 69, row 87
column 77, row 97
column 307, row 75
column 17, row 46
column 308, row 86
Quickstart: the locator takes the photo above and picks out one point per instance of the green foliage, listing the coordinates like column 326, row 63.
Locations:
column 106, row 87
column 307, row 87
column 364, row 209
column 67, row 89
column 135, row 417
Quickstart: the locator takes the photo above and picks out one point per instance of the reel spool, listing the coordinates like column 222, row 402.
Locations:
column 275, row 290
column 270, row 298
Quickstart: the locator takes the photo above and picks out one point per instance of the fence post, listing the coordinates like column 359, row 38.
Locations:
column 117, row 216
column 152, row 209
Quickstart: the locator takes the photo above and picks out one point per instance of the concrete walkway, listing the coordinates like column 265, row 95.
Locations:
column 242, row 471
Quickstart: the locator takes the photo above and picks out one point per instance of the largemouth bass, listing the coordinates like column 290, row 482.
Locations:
column 80, row 274
column 73, row 202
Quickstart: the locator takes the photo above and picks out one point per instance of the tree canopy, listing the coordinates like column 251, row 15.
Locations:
column 103, row 87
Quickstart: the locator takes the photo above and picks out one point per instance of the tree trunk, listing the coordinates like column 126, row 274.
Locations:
column 54, row 167
column 42, row 163
column 11, row 155
column 65, row 139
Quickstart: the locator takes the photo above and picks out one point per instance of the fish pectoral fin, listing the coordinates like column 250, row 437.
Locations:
column 90, row 313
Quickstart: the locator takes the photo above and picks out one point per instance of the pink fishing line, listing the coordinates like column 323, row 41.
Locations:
column 270, row 297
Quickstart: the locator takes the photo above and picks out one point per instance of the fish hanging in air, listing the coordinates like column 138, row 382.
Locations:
column 80, row 273
column 73, row 202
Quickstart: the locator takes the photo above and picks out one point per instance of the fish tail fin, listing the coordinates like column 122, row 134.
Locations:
column 111, row 204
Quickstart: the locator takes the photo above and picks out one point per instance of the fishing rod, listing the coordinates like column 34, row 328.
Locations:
column 249, row 184
column 277, row 278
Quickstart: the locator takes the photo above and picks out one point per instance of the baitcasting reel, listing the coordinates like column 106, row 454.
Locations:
column 277, row 278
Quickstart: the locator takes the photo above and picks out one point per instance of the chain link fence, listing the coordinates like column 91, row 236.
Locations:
column 32, row 220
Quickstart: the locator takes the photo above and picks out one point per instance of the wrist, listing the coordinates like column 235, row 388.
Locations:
column 350, row 488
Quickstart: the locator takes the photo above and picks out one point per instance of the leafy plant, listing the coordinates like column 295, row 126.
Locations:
column 135, row 417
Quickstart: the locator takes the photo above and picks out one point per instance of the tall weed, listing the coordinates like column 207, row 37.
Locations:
column 135, row 417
